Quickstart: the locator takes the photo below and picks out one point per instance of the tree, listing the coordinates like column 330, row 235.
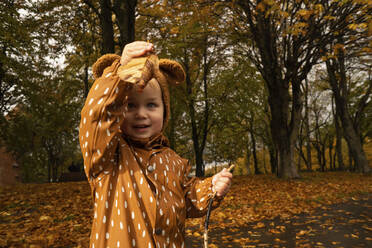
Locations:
column 123, row 21
column 16, row 49
column 338, row 131
column 240, row 115
column 40, row 127
column 347, row 61
column 351, row 126
column 185, row 31
column 285, row 39
column 307, row 128
column 42, row 131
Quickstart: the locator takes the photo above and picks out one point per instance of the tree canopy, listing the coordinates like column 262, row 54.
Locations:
column 287, row 77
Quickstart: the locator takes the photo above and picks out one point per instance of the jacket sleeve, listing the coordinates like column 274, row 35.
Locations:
column 101, row 119
column 198, row 193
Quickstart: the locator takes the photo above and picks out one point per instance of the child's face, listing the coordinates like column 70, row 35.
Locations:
column 144, row 117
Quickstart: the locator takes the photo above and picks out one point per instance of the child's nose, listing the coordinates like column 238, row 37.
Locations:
column 140, row 113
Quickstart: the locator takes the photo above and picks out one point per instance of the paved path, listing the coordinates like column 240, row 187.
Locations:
column 346, row 225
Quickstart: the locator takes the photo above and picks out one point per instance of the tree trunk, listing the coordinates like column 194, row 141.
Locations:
column 318, row 153
column 49, row 172
column 264, row 159
column 338, row 151
column 199, row 132
column 301, row 155
column 284, row 126
column 307, row 129
column 323, row 148
column 351, row 160
column 2, row 87
column 107, row 29
column 254, row 145
column 171, row 123
column 299, row 161
column 355, row 146
column 198, row 148
column 282, row 133
column 55, row 172
column 86, row 80
column 195, row 136
column 273, row 159
column 350, row 132
column 124, row 11
column 200, row 169
column 330, row 149
column 247, row 159
column 340, row 160
column 299, row 146
column 254, row 152
column 125, row 18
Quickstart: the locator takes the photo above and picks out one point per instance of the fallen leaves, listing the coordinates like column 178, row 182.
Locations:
column 256, row 198
column 60, row 214
column 45, row 218
column 41, row 215
column 259, row 225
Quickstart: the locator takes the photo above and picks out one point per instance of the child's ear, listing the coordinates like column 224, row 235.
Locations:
column 172, row 70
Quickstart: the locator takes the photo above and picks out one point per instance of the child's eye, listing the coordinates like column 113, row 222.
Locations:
column 152, row 105
column 131, row 105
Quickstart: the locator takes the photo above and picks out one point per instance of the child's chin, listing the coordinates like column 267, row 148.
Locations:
column 142, row 136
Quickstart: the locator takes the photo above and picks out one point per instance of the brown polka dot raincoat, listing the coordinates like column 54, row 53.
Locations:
column 142, row 192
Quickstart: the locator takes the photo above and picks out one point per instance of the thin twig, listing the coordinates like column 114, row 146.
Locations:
column 209, row 213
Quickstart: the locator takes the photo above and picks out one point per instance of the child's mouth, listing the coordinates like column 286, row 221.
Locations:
column 141, row 128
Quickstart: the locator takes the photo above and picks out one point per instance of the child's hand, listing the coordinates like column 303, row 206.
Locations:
column 135, row 49
column 221, row 182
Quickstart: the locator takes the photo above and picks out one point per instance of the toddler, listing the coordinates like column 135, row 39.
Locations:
column 141, row 189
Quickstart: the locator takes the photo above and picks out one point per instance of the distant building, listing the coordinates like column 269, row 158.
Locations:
column 9, row 169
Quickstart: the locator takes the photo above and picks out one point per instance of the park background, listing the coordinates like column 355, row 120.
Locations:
column 282, row 89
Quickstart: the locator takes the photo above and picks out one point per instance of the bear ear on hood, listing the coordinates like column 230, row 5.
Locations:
column 172, row 70
column 103, row 62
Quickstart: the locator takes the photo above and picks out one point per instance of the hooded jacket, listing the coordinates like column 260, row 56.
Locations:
column 141, row 189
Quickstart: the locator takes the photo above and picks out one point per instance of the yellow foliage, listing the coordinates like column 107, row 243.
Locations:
column 299, row 28
column 319, row 8
column 367, row 50
column 260, row 7
column 240, row 167
column 269, row 2
column 352, row 26
column 360, row 26
column 301, row 25
column 328, row 17
column 174, row 30
column 338, row 47
column 305, row 13
column 284, row 14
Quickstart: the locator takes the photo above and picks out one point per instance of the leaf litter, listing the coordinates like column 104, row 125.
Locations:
column 60, row 214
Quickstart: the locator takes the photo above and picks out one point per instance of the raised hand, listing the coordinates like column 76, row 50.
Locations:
column 136, row 49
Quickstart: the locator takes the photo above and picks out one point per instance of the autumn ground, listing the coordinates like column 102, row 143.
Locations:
column 320, row 210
